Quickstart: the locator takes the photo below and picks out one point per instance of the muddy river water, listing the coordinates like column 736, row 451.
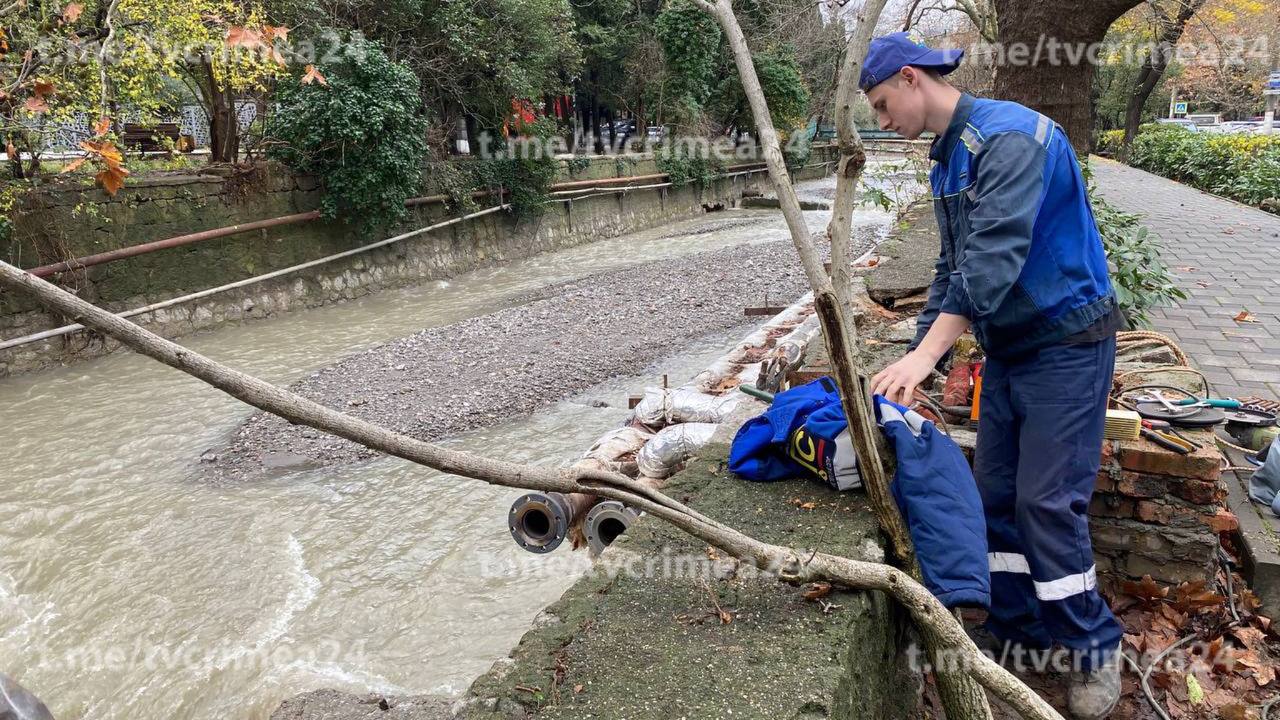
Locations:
column 129, row 589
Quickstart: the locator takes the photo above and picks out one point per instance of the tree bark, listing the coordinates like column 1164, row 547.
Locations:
column 1170, row 30
column 788, row 564
column 1046, row 65
column 224, row 130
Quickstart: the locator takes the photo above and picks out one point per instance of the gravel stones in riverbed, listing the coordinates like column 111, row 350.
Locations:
column 554, row 343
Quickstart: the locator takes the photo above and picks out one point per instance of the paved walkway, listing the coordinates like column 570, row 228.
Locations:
column 1227, row 257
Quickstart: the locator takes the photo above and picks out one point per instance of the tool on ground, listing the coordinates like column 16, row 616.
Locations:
column 756, row 393
column 1164, row 435
column 1122, row 425
column 1156, row 405
column 1228, row 403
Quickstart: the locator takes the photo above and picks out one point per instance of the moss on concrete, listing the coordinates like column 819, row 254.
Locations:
column 637, row 644
column 906, row 258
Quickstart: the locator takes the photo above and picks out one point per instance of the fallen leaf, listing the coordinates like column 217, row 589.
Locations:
column 103, row 126
column 1186, row 268
column 43, row 89
column 1244, row 316
column 1249, row 637
column 712, row 554
column 1135, row 641
column 10, row 149
column 275, row 32
column 1195, row 694
column 313, row 75
column 35, row 105
column 577, row 689
column 1235, row 711
column 726, row 617
column 277, row 58
column 71, row 12
column 75, row 164
column 1147, row 589
column 808, row 505
column 817, row 590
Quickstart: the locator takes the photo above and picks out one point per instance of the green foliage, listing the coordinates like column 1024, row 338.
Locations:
column 526, row 171
column 1139, row 276
column 363, row 134
column 688, row 163
column 690, row 42
column 783, row 87
column 1111, row 142
column 1242, row 167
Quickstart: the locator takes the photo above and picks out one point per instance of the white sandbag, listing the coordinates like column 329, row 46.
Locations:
column 672, row 446
column 652, row 408
column 616, row 443
column 659, row 408
column 686, row 405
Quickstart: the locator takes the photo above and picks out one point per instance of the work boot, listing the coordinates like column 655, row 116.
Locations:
column 1093, row 695
column 1013, row 655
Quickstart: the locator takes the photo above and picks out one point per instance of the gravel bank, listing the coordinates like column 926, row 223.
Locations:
column 553, row 343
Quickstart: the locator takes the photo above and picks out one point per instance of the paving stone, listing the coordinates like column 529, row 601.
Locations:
column 1229, row 246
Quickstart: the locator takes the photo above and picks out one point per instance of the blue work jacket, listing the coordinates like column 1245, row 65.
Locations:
column 1021, row 255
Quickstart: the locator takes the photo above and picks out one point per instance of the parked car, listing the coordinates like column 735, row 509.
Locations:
column 1180, row 122
column 1259, row 129
column 1205, row 119
column 1233, row 126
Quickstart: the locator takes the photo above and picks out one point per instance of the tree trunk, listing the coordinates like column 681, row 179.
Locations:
column 1046, row 66
column 224, row 132
column 1155, row 64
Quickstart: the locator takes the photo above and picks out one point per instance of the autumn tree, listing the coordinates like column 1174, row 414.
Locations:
column 1169, row 19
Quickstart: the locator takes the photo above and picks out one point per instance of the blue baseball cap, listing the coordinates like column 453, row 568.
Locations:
column 889, row 54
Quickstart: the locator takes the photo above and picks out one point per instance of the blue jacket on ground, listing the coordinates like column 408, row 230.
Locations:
column 1021, row 255
column 939, row 500
column 805, row 432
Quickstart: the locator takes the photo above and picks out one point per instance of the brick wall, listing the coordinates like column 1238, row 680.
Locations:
column 1158, row 513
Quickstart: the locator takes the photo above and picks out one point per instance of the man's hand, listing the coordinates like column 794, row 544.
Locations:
column 898, row 381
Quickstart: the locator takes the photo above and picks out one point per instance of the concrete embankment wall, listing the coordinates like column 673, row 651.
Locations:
column 67, row 221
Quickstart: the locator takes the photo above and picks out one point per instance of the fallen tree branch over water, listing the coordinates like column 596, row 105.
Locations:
column 789, row 564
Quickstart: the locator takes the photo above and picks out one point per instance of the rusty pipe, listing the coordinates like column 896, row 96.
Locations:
column 215, row 233
column 177, row 241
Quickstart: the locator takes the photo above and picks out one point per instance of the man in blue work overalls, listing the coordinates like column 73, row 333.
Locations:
column 1022, row 264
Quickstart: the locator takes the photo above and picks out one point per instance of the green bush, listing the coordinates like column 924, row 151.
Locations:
column 1140, row 278
column 362, row 134
column 688, row 163
column 1110, row 142
column 527, row 171
column 1242, row 167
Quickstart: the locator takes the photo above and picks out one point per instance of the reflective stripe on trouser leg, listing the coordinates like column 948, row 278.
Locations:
column 1060, row 396
column 1014, row 613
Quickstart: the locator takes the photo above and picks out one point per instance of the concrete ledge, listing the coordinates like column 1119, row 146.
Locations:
column 1259, row 539
column 626, row 642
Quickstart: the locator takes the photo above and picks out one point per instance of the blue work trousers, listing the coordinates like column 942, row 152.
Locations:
column 1039, row 447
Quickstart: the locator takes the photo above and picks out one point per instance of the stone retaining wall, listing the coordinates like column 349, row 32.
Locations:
column 76, row 220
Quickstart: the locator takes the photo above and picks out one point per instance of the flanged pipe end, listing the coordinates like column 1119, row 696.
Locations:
column 539, row 522
column 605, row 521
